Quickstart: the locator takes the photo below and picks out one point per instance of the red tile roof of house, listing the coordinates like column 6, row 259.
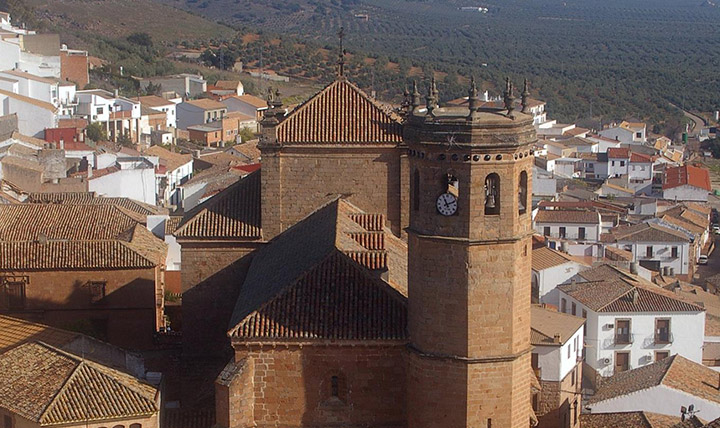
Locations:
column 567, row 216
column 340, row 114
column 546, row 323
column 675, row 372
column 315, row 281
column 687, row 175
column 608, row 289
column 637, row 419
column 618, row 152
column 234, row 213
column 641, row 158
column 48, row 386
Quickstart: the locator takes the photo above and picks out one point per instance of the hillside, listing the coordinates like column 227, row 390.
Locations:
column 116, row 19
column 613, row 58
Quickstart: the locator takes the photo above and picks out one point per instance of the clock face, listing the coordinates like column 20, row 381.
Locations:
column 447, row 204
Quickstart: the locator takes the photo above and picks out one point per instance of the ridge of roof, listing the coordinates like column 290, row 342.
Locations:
column 342, row 106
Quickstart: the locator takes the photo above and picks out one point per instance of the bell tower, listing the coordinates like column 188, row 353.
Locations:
column 469, row 245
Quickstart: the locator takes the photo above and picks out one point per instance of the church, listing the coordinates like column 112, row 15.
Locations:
column 375, row 272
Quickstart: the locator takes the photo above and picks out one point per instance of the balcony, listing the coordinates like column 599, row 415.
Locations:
column 618, row 341
column 663, row 338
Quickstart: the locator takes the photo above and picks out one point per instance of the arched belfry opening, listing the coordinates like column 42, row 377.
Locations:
column 523, row 193
column 492, row 194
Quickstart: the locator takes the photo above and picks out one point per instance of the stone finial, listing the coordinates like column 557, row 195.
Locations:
column 509, row 98
column 414, row 96
column 525, row 96
column 406, row 106
column 432, row 96
column 473, row 101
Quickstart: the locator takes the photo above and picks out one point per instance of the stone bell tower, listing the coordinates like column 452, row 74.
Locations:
column 469, row 263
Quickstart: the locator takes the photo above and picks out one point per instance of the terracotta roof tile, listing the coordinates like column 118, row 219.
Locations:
column 316, row 280
column 88, row 198
column 231, row 214
column 207, row 104
column 675, row 372
column 254, row 101
column 567, row 216
column 546, row 323
column 636, row 420
column 340, row 114
column 545, row 258
column 153, row 101
column 49, row 386
column 608, row 289
column 645, row 232
column 687, row 175
column 618, row 152
column 641, row 158
column 15, row 331
column 172, row 160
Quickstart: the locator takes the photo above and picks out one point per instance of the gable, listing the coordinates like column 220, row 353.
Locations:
column 340, row 114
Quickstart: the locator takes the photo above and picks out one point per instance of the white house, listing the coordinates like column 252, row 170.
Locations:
column 568, row 224
column 59, row 94
column 618, row 160
column 161, row 104
column 568, row 167
column 631, row 322
column 248, row 105
column 686, row 183
column 604, row 143
column 662, row 387
column 640, row 167
column 551, row 268
column 173, row 170
column 129, row 177
column 654, row 246
column 120, row 115
column 557, row 341
column 33, row 115
column 198, row 112
column 594, row 165
column 626, row 132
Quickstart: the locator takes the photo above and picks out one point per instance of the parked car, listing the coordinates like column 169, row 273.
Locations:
column 703, row 260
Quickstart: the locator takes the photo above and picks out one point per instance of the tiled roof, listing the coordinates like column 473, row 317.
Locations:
column 153, row 101
column 632, row 125
column 316, row 281
column 15, row 331
column 254, row 101
column 545, row 258
column 675, row 372
column 567, row 216
column 608, row 289
column 636, row 420
column 340, row 114
column 599, row 206
column 87, row 198
column 640, row 158
column 71, row 255
column 49, row 386
column 546, row 323
column 172, row 160
column 68, row 237
column 645, row 232
column 687, row 175
column 231, row 214
column 207, row 104
column 618, row 152
column 228, row 84
column 172, row 223
column 27, row 222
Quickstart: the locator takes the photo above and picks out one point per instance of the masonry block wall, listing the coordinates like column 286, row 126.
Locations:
column 234, row 395
column 125, row 317
column 557, row 399
column 293, row 384
column 299, row 180
column 211, row 280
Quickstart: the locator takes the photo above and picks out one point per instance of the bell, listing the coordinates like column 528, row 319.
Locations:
column 490, row 200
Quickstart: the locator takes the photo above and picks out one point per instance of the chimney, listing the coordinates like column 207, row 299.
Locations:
column 556, row 338
column 116, row 93
column 42, row 239
column 633, row 268
column 677, row 288
column 62, row 144
column 671, row 271
column 84, row 164
column 635, row 296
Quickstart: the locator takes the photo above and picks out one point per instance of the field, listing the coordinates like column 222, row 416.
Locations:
column 587, row 58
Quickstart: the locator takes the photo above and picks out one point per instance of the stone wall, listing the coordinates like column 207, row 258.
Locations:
column 125, row 317
column 293, row 384
column 557, row 400
column 299, row 180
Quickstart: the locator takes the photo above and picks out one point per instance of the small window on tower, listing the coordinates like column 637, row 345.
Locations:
column 334, row 387
column 452, row 185
column 492, row 194
column 523, row 193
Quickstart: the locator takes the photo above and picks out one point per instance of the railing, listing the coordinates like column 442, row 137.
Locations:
column 664, row 339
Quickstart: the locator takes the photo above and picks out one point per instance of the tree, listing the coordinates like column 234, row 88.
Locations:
column 125, row 141
column 140, row 39
column 96, row 132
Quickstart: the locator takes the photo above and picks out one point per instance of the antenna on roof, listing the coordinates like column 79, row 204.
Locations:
column 687, row 412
